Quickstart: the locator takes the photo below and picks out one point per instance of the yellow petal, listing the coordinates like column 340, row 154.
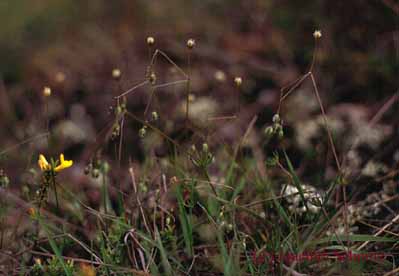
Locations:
column 43, row 164
column 64, row 164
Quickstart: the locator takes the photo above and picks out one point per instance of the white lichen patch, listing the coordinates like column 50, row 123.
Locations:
column 373, row 168
column 313, row 198
column 200, row 109
column 314, row 128
column 370, row 207
column 371, row 136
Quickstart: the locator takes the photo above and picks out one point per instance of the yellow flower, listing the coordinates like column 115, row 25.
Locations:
column 43, row 164
column 87, row 270
column 32, row 212
column 64, row 164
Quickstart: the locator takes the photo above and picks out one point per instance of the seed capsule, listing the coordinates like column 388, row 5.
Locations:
column 150, row 40
column 153, row 78
column 317, row 34
column 116, row 73
column 87, row 169
column 95, row 173
column 276, row 119
column 142, row 132
column 238, row 81
column 269, row 131
column 205, row 147
column 154, row 116
column 190, row 43
column 47, row 91
column 281, row 134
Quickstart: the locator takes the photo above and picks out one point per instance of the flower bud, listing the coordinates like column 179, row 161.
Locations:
column 154, row 116
column 150, row 40
column 116, row 73
column 87, row 169
column 153, row 78
column 60, row 77
column 4, row 180
column 174, row 180
column 190, row 43
column 317, row 34
column 276, row 119
column 269, row 131
column 280, row 134
column 238, row 81
column 142, row 132
column 95, row 173
column 47, row 91
column 220, row 76
column 32, row 212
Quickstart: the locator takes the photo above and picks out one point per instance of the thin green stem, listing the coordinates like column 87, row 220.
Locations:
column 188, row 86
column 54, row 184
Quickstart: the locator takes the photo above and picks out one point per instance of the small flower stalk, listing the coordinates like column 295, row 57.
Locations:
column 143, row 132
column 50, row 170
column 120, row 111
column 276, row 129
column 203, row 158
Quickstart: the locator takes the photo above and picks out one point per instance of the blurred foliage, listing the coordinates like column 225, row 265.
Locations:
column 358, row 45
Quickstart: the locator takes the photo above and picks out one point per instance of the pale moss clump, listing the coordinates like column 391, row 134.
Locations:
column 312, row 197
column 200, row 109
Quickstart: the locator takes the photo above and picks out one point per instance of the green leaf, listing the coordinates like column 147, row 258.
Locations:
column 54, row 246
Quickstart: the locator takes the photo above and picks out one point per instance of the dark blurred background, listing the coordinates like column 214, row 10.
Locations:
column 72, row 46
